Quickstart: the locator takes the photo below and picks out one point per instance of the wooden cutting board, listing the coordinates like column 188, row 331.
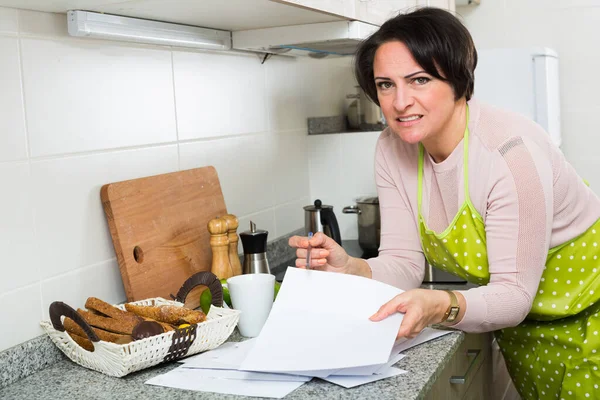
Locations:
column 159, row 229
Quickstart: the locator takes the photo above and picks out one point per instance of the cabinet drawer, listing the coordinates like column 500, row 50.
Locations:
column 461, row 371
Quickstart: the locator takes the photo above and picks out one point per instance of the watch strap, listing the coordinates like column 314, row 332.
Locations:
column 453, row 309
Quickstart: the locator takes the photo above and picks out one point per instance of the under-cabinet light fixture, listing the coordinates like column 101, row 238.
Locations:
column 113, row 27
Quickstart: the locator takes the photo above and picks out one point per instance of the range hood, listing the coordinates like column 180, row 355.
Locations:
column 339, row 38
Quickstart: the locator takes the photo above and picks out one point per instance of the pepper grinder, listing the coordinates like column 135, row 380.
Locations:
column 234, row 259
column 219, row 244
column 254, row 243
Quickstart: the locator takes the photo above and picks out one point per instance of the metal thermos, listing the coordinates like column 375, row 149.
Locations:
column 254, row 243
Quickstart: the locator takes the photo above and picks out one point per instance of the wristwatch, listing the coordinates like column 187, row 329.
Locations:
column 453, row 309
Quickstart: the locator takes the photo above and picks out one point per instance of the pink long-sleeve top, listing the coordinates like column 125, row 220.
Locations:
column 530, row 197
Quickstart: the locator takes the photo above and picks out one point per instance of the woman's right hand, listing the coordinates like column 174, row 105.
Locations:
column 326, row 254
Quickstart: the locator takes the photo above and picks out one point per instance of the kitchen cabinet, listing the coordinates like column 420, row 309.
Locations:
column 371, row 11
column 468, row 375
column 449, row 5
column 229, row 15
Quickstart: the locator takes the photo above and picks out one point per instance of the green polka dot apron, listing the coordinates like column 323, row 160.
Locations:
column 555, row 352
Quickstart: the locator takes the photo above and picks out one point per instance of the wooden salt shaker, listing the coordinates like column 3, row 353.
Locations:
column 219, row 244
column 234, row 259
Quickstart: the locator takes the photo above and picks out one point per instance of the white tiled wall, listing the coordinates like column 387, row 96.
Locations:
column 76, row 114
column 571, row 27
column 342, row 170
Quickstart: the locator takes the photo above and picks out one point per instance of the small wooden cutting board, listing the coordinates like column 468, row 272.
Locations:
column 159, row 229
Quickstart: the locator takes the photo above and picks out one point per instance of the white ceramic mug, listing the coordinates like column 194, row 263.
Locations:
column 252, row 294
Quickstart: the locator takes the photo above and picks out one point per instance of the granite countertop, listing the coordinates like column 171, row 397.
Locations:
column 65, row 379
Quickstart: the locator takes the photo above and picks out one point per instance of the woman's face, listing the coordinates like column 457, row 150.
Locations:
column 416, row 105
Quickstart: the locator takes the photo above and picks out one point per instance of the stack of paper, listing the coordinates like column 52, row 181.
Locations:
column 318, row 327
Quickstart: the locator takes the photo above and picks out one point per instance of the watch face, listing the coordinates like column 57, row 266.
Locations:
column 453, row 313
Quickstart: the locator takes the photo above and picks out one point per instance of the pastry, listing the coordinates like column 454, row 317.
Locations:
column 146, row 329
column 166, row 327
column 169, row 314
column 122, row 326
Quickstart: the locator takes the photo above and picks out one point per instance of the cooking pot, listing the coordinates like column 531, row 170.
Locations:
column 369, row 223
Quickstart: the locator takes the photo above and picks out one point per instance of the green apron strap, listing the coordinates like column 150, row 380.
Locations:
column 466, row 158
column 420, row 179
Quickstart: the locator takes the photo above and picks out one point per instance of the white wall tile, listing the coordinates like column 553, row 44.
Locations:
column 244, row 165
column 290, row 165
column 576, row 146
column 325, row 161
column 302, row 87
column 13, row 142
column 326, row 172
column 21, row 316
column 101, row 280
column 42, row 24
column 290, row 216
column 219, row 94
column 327, row 84
column 83, row 96
column 20, row 263
column 342, row 169
column 288, row 96
column 358, row 164
column 70, row 223
column 8, row 20
column 578, row 91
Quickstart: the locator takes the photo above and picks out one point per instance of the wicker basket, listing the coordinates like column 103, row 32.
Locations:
column 121, row 359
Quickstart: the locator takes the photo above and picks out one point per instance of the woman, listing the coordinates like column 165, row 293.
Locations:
column 482, row 193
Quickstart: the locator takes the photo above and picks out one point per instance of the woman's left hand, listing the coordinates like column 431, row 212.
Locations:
column 421, row 308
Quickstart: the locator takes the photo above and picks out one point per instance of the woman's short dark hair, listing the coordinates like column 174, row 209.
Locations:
column 435, row 38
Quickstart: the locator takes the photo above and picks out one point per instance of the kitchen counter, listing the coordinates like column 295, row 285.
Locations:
column 65, row 379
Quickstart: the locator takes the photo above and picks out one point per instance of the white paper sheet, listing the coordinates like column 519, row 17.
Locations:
column 426, row 335
column 227, row 356
column 393, row 360
column 321, row 321
column 230, row 356
column 188, row 379
column 352, row 381
column 247, row 375
column 369, row 369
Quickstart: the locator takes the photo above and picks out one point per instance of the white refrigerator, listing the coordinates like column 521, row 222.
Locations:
column 524, row 80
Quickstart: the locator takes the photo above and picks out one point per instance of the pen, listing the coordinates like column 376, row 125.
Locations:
column 310, row 235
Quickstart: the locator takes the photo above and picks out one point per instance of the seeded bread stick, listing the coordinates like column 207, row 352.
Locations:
column 169, row 314
column 121, row 326
column 102, row 307
column 83, row 342
column 107, row 336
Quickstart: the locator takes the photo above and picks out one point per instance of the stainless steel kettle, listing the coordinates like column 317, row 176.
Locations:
column 320, row 218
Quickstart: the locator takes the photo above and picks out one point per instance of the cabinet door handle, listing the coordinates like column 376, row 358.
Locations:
column 461, row 380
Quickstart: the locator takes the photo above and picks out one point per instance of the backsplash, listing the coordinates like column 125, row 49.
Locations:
column 342, row 168
column 76, row 114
